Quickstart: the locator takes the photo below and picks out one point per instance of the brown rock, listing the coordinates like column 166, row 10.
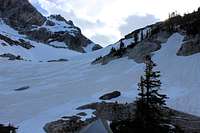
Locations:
column 111, row 95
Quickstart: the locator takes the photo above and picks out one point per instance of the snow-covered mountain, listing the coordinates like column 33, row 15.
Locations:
column 34, row 93
column 26, row 33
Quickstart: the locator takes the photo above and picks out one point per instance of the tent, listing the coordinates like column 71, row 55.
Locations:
column 98, row 126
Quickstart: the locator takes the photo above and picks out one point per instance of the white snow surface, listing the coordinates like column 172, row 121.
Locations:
column 58, row 44
column 41, row 52
column 56, row 89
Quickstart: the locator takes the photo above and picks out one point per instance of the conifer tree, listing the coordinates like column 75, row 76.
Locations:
column 150, row 85
column 121, row 46
column 135, row 37
column 147, row 34
column 112, row 50
column 149, row 100
column 141, row 35
column 141, row 89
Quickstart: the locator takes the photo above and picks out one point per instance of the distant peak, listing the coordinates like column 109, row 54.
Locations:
column 58, row 17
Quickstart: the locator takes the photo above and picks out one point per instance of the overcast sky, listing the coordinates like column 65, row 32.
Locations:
column 106, row 21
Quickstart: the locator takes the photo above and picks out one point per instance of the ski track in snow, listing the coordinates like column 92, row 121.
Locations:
column 56, row 89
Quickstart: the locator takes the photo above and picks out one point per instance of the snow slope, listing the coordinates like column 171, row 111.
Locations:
column 56, row 89
column 180, row 76
column 41, row 52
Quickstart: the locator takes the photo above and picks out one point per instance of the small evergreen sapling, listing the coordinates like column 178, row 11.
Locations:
column 135, row 35
column 141, row 35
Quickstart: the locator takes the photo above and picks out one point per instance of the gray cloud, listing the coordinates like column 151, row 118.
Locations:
column 101, row 39
column 83, row 23
column 134, row 22
column 38, row 6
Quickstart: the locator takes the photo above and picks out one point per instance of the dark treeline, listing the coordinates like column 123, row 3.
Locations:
column 190, row 22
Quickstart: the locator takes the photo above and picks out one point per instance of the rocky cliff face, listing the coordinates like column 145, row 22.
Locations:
column 20, row 13
column 52, row 31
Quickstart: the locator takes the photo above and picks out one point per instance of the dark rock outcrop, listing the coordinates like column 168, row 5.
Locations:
column 96, row 47
column 40, row 34
column 59, row 60
column 7, row 129
column 20, row 42
column 11, row 56
column 22, row 88
column 190, row 46
column 111, row 95
column 67, row 125
column 82, row 114
column 142, row 49
column 20, row 13
column 60, row 18
column 50, row 23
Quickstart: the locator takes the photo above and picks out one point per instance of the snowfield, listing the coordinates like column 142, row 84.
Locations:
column 56, row 89
column 40, row 52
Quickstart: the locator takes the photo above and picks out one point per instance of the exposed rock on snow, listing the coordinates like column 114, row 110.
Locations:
column 96, row 47
column 7, row 129
column 50, row 23
column 72, row 124
column 41, row 34
column 190, row 46
column 60, row 60
column 60, row 18
column 19, row 42
column 22, row 88
column 82, row 114
column 111, row 95
column 142, row 49
column 11, row 56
